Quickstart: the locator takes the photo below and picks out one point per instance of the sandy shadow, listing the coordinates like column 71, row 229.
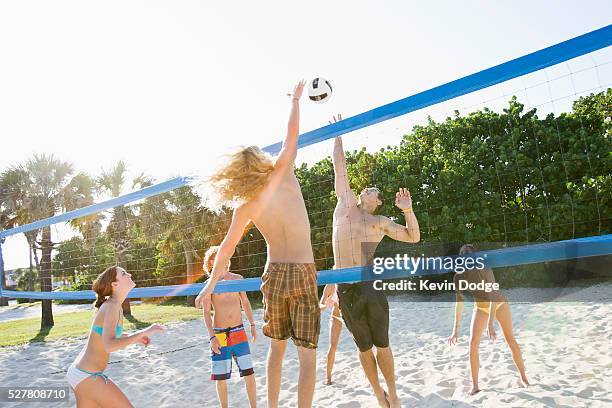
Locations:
column 41, row 335
column 139, row 324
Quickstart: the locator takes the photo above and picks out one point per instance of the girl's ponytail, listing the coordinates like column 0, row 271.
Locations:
column 103, row 285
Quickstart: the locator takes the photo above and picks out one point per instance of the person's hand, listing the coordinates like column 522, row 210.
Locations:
column 207, row 290
column 144, row 336
column 491, row 330
column 336, row 119
column 215, row 346
column 403, row 201
column 152, row 329
column 253, row 333
column 144, row 340
column 453, row 338
column 297, row 90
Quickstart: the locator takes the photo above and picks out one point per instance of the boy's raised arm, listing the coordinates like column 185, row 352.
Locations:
column 288, row 152
column 240, row 220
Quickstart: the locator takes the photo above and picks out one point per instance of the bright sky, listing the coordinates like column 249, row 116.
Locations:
column 169, row 85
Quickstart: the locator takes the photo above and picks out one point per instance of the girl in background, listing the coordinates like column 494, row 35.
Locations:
column 488, row 307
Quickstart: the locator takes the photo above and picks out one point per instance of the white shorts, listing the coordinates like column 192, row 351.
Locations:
column 75, row 375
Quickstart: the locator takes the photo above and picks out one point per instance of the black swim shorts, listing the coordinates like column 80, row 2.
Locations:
column 365, row 312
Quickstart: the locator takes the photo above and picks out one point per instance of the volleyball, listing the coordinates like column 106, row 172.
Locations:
column 319, row 90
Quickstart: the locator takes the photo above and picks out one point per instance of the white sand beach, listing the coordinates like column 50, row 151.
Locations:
column 567, row 347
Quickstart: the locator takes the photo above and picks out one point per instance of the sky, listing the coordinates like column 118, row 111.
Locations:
column 168, row 86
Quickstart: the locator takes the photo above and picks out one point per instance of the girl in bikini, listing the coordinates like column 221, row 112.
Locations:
column 488, row 307
column 91, row 386
column 330, row 300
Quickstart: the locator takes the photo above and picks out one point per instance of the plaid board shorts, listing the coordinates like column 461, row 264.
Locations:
column 291, row 303
column 234, row 344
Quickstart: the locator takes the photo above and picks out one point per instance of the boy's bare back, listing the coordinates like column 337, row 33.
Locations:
column 279, row 213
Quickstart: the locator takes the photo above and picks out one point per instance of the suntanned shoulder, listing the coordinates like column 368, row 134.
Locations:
column 348, row 199
column 109, row 306
column 383, row 221
column 245, row 209
column 345, row 202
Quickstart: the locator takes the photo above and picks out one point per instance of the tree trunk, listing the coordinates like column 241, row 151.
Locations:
column 190, row 270
column 31, row 275
column 189, row 263
column 36, row 261
column 36, row 264
column 3, row 300
column 45, row 277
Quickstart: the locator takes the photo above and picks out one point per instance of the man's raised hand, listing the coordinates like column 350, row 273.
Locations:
column 403, row 201
column 298, row 90
column 336, row 119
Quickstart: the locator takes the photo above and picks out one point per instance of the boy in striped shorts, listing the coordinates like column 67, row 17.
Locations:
column 228, row 338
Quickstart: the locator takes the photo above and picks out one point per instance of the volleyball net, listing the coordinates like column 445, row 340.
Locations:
column 516, row 156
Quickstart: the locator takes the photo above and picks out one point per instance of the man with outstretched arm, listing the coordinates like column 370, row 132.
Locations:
column 267, row 193
column 356, row 234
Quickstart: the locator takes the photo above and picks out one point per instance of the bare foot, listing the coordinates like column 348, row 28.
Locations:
column 474, row 390
column 523, row 382
column 393, row 402
column 328, row 382
column 383, row 401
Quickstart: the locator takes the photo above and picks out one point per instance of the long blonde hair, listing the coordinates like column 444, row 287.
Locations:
column 241, row 177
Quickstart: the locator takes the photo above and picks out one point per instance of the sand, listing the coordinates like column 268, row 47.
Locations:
column 567, row 347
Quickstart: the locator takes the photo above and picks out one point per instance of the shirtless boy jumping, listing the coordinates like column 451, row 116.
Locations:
column 267, row 193
column 365, row 311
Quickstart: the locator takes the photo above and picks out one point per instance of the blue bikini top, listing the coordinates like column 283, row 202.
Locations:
column 118, row 330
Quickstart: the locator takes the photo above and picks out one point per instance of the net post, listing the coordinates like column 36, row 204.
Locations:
column 3, row 300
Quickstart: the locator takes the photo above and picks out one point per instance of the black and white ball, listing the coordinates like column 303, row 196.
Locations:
column 319, row 90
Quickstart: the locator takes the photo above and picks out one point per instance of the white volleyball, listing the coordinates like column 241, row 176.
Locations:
column 319, row 90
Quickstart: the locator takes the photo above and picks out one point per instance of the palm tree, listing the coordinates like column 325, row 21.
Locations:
column 173, row 221
column 45, row 187
column 123, row 218
column 11, row 210
column 3, row 300
column 14, row 213
column 183, row 213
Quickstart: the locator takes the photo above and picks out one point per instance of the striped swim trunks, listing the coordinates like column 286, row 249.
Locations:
column 291, row 303
column 234, row 344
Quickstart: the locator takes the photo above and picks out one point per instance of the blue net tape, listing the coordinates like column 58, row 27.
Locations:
column 499, row 258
